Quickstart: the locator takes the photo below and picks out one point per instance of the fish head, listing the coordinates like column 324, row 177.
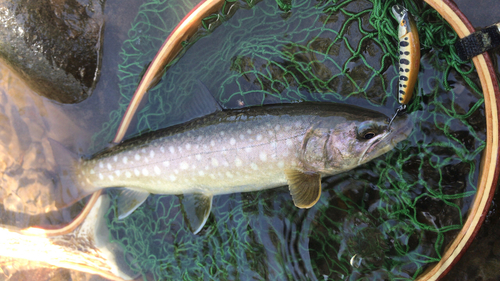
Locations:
column 384, row 139
column 353, row 142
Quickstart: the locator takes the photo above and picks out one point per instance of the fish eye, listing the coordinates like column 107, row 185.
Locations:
column 369, row 135
column 367, row 130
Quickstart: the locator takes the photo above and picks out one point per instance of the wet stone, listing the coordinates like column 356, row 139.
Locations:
column 53, row 45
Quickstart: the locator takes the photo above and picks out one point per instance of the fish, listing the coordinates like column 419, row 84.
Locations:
column 409, row 53
column 233, row 151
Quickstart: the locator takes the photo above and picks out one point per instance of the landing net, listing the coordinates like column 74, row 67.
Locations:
column 387, row 219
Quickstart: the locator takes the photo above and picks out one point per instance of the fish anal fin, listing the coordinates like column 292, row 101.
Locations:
column 129, row 200
column 305, row 188
column 196, row 208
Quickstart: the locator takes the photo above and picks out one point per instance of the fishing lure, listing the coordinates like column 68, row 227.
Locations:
column 409, row 56
column 409, row 53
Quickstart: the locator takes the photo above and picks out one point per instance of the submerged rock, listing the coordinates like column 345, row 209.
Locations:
column 54, row 45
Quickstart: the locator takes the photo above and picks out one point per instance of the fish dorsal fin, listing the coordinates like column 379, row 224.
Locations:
column 305, row 188
column 129, row 200
column 196, row 209
column 207, row 100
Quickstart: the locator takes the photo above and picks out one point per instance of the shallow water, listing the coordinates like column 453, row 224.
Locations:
column 255, row 224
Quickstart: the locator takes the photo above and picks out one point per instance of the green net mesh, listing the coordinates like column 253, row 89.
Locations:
column 387, row 219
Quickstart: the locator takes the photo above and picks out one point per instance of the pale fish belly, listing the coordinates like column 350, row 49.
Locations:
column 239, row 156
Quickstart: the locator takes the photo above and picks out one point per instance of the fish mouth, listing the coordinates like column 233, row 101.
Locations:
column 399, row 131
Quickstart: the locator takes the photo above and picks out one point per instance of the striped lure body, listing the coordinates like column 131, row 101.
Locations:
column 409, row 53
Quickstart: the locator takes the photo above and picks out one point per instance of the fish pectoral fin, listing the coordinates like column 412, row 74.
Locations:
column 305, row 188
column 196, row 208
column 129, row 200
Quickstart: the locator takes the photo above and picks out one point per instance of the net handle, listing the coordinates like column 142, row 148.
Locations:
column 489, row 168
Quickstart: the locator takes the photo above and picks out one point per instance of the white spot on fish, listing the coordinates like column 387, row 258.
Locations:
column 137, row 157
column 101, row 176
column 281, row 164
column 198, row 157
column 254, row 166
column 128, row 174
column 143, row 150
column 145, row 172
column 212, row 176
column 212, row 143
column 238, row 162
column 162, row 149
column 274, row 144
column 277, row 128
column 249, row 131
column 289, row 142
column 215, row 163
column 259, row 137
column 118, row 173
column 109, row 167
column 152, row 154
column 242, row 137
column 101, row 165
column 225, row 163
column 125, row 160
column 92, row 171
column 171, row 149
column 229, row 175
column 136, row 172
column 199, row 138
column 263, row 156
column 184, row 166
column 157, row 170
column 222, row 133
column 248, row 149
column 166, row 163
column 232, row 141
column 111, row 178
column 270, row 133
column 188, row 146
column 115, row 158
column 201, row 173
column 179, row 148
column 172, row 178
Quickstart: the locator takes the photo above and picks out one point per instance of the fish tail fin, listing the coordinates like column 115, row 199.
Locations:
column 70, row 185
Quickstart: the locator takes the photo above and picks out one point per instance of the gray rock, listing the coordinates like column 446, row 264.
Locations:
column 53, row 45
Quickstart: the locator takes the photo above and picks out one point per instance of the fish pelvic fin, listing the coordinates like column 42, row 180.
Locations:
column 129, row 200
column 196, row 209
column 305, row 188
column 70, row 188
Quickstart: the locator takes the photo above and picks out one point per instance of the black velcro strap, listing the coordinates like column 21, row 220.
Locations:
column 478, row 42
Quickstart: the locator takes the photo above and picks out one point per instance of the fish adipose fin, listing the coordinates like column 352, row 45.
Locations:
column 304, row 188
column 196, row 208
column 129, row 200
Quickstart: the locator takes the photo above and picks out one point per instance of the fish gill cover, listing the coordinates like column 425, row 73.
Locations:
column 387, row 219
